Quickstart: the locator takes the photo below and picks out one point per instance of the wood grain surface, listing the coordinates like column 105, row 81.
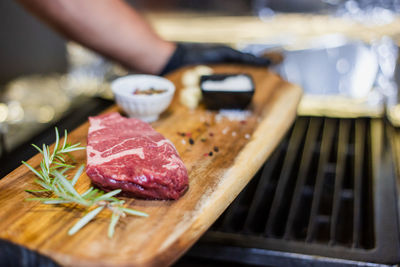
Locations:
column 172, row 226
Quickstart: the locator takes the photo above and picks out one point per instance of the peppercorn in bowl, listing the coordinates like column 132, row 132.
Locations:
column 143, row 96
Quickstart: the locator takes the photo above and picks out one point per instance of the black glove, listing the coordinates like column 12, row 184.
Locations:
column 190, row 54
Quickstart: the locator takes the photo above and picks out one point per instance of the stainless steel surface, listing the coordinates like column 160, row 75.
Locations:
column 341, row 77
column 332, row 66
column 30, row 103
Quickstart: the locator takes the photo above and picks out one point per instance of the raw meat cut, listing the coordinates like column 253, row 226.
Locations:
column 129, row 154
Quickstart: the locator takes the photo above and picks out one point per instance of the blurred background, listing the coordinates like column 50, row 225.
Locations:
column 43, row 76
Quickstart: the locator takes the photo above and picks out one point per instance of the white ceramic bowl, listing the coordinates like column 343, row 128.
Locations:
column 144, row 107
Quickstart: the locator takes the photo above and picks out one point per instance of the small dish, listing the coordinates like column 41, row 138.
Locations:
column 227, row 91
column 143, row 106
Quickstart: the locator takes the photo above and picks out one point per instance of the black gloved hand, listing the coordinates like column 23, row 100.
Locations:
column 190, row 54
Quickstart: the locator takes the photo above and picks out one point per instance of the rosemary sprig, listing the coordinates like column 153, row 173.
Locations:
column 53, row 179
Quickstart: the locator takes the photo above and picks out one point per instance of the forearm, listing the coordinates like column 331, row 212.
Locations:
column 110, row 27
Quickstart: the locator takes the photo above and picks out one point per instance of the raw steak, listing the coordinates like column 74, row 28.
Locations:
column 129, row 154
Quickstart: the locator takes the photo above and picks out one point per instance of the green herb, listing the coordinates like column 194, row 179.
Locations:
column 53, row 179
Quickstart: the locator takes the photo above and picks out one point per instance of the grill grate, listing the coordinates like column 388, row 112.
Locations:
column 324, row 191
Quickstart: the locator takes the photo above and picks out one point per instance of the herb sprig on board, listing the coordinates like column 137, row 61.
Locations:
column 53, row 178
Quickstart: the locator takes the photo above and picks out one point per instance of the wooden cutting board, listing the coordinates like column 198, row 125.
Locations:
column 172, row 226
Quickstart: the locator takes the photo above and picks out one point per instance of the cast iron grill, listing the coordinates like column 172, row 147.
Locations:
column 327, row 192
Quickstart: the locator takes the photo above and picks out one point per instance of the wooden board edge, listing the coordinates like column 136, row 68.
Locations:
column 199, row 226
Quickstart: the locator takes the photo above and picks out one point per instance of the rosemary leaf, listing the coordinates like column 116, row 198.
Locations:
column 46, row 157
column 84, row 220
column 45, row 199
column 114, row 220
column 37, row 191
column 32, row 169
column 67, row 184
column 87, row 192
column 90, row 194
column 65, row 139
column 60, row 158
column 56, row 144
column 42, row 184
column 71, row 149
column 60, row 164
column 64, row 170
column 134, row 212
column 44, row 172
column 37, row 148
column 55, row 201
column 109, row 195
column 77, row 175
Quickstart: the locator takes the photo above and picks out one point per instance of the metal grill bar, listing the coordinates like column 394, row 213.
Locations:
column 333, row 187
column 261, row 203
column 358, row 164
column 305, row 164
column 344, row 132
column 277, row 213
column 232, row 220
column 227, row 221
column 326, row 145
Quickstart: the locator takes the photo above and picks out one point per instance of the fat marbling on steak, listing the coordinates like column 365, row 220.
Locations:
column 128, row 154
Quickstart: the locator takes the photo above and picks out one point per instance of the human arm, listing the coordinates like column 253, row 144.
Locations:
column 113, row 28
column 110, row 27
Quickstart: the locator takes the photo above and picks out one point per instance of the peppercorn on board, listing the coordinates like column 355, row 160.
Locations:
column 222, row 153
